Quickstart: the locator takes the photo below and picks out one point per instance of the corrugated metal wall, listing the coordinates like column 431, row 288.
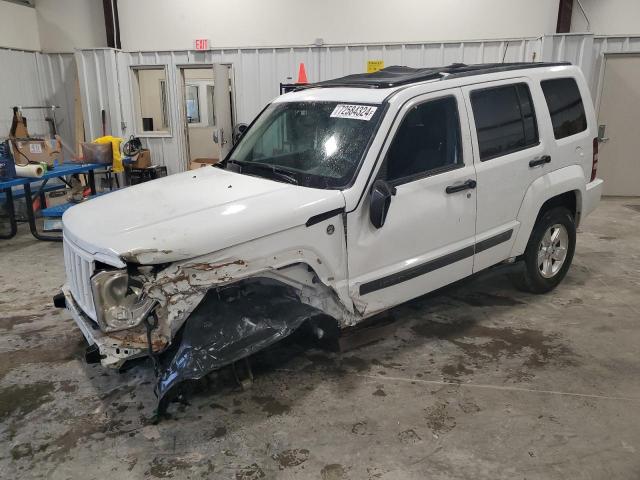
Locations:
column 99, row 89
column 257, row 74
column 106, row 79
column 574, row 48
column 36, row 79
column 58, row 80
column 20, row 86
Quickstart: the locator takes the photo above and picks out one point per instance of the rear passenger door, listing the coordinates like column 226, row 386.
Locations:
column 509, row 155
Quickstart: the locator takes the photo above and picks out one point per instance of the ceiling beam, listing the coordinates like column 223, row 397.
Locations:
column 112, row 23
column 565, row 10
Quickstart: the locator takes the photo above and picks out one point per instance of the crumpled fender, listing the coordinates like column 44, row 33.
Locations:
column 221, row 331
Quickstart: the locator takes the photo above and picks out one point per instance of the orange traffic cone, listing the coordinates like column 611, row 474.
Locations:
column 302, row 74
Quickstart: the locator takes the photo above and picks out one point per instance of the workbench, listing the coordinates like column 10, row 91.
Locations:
column 41, row 186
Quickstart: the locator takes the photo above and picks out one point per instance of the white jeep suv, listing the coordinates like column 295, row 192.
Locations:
column 341, row 200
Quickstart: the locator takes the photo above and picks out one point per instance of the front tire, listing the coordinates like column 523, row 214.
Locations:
column 549, row 252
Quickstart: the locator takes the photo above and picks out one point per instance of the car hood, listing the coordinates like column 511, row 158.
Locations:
column 190, row 214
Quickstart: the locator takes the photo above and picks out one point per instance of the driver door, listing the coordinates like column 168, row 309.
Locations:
column 427, row 240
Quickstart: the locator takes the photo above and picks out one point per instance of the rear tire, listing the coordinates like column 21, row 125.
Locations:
column 549, row 252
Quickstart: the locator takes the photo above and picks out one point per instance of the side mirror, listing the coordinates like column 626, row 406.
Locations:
column 238, row 131
column 380, row 201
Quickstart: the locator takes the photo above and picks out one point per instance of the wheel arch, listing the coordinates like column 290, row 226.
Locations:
column 568, row 199
column 233, row 322
column 563, row 187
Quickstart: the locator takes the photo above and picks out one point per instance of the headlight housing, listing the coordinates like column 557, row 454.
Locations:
column 119, row 303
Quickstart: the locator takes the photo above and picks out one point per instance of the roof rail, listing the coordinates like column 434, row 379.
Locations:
column 398, row 75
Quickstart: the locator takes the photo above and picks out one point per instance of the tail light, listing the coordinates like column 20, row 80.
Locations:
column 594, row 163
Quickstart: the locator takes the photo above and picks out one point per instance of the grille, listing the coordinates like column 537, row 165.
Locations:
column 79, row 267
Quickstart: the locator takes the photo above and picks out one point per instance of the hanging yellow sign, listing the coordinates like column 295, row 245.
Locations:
column 374, row 65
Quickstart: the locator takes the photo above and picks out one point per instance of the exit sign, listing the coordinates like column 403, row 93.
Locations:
column 202, row 44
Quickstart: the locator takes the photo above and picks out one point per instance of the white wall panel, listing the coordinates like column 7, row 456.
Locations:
column 20, row 86
column 606, row 18
column 34, row 79
column 58, row 77
column 575, row 48
column 99, row 88
column 587, row 52
column 169, row 24
column 67, row 24
column 18, row 27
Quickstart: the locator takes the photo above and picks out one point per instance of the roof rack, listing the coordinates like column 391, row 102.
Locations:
column 396, row 75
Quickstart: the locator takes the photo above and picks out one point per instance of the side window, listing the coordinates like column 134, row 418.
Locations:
column 427, row 141
column 505, row 120
column 565, row 106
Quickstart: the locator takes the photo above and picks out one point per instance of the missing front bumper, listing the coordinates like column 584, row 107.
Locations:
column 114, row 350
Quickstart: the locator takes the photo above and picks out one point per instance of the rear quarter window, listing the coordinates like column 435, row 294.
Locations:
column 565, row 106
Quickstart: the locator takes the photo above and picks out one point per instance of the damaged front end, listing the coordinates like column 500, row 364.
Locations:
column 195, row 314
column 228, row 325
column 119, row 300
column 188, row 326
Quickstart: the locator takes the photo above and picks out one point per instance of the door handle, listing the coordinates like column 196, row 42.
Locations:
column 469, row 184
column 540, row 161
column 601, row 131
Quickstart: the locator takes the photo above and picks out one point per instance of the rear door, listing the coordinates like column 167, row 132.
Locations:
column 567, row 102
column 619, row 113
column 427, row 239
column 509, row 155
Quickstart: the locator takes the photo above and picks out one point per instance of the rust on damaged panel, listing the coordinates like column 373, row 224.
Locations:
column 138, row 339
column 207, row 267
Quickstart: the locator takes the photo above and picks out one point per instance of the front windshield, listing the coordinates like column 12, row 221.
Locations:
column 315, row 144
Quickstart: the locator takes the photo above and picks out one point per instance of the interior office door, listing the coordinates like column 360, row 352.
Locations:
column 619, row 112
column 223, row 121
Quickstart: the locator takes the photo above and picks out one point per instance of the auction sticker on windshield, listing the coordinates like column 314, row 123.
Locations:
column 358, row 112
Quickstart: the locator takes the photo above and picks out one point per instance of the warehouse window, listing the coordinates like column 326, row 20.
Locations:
column 193, row 103
column 210, row 106
column 151, row 99
column 505, row 120
column 565, row 106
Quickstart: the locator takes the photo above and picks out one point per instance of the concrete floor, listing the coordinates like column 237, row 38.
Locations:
column 476, row 382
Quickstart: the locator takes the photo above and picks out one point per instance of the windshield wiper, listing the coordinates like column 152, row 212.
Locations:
column 278, row 172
